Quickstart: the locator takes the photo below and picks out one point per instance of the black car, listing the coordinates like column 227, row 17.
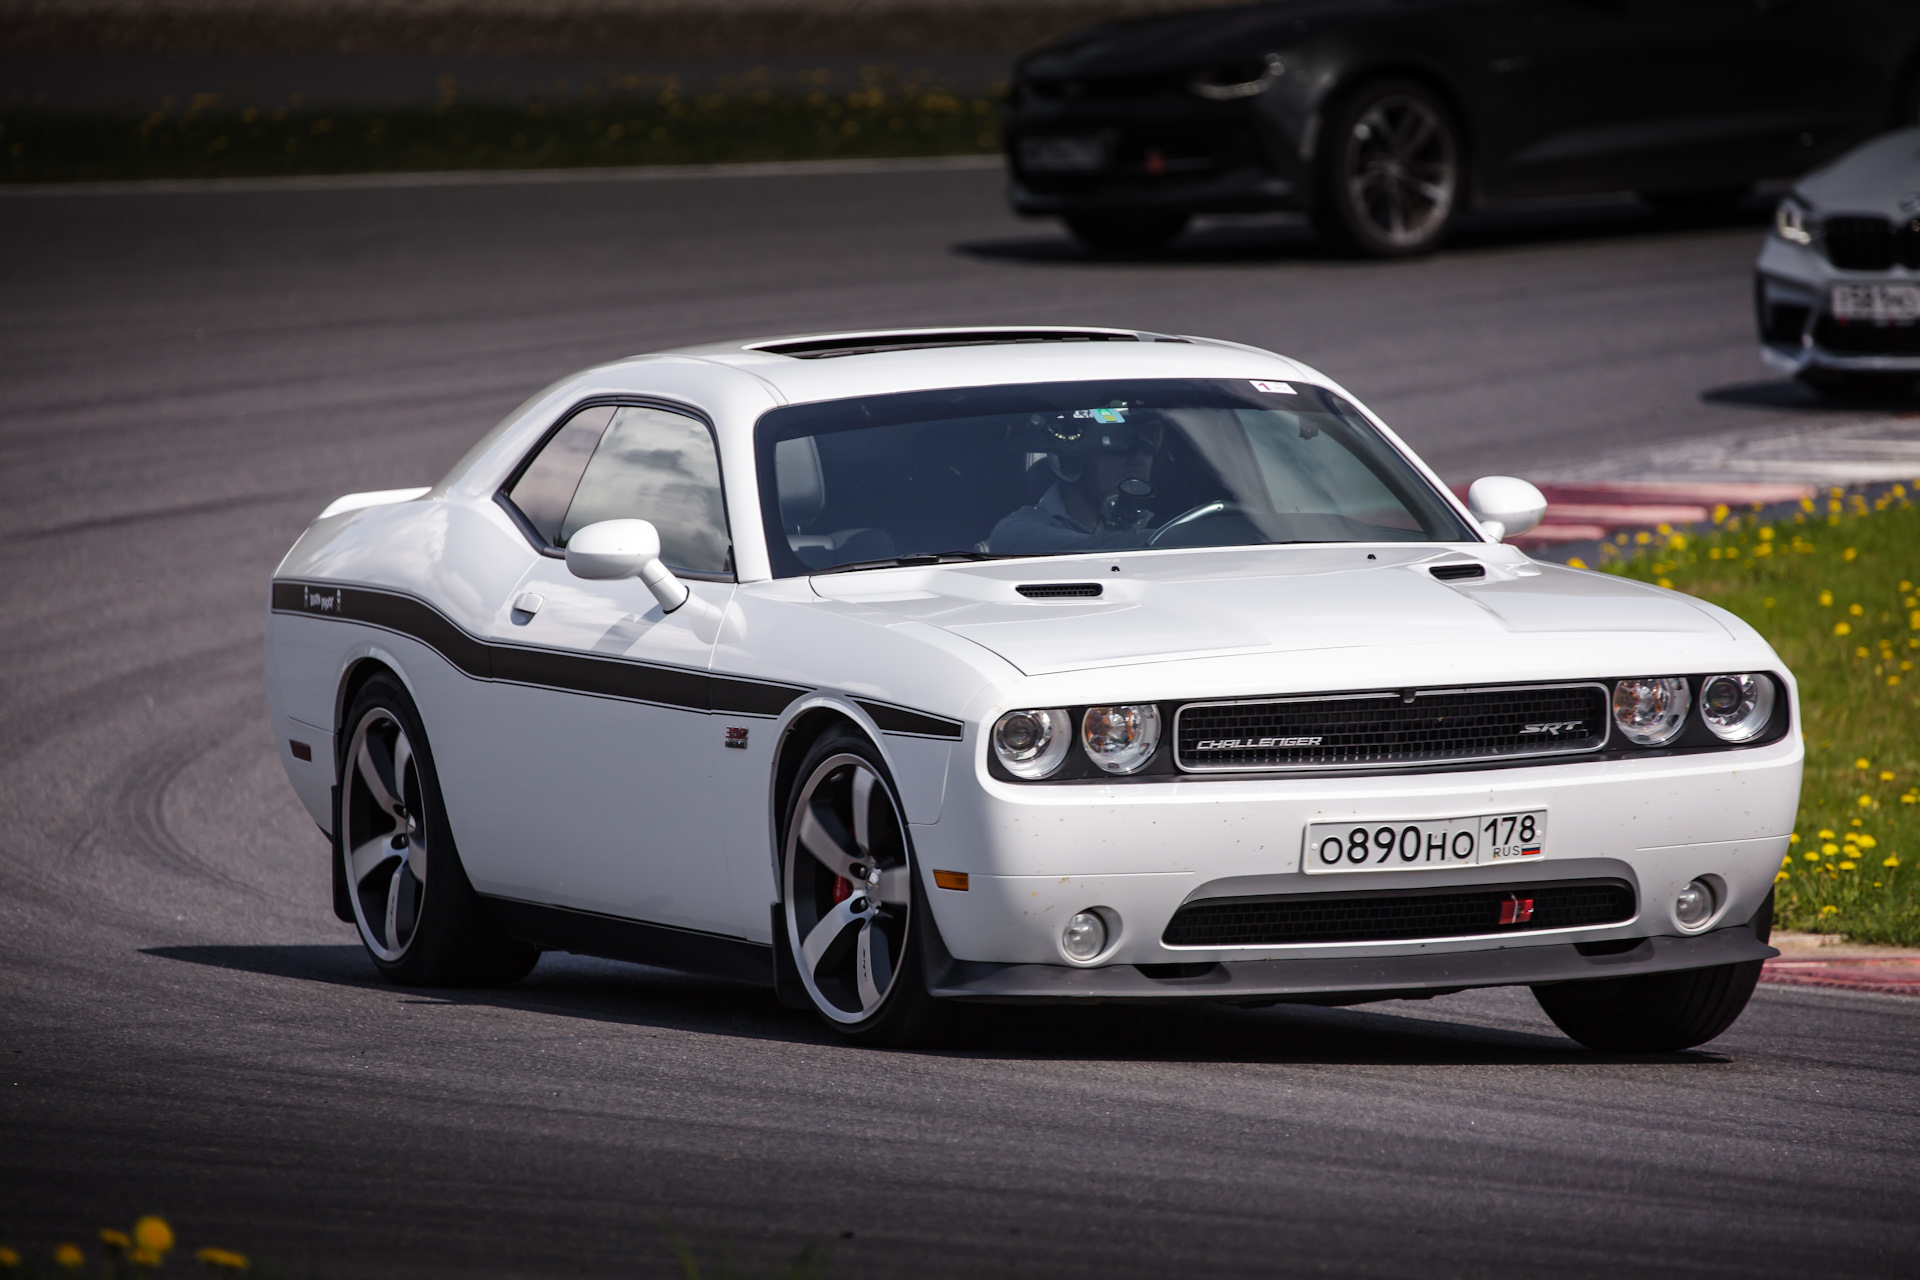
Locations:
column 1383, row 118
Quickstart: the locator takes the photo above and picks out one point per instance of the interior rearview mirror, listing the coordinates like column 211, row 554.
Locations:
column 625, row 549
column 1504, row 506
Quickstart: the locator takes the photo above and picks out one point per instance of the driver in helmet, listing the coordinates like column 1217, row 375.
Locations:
column 1102, row 466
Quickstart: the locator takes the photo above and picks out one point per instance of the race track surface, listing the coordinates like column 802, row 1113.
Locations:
column 186, row 378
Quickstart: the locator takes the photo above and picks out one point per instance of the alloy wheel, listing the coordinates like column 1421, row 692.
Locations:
column 848, row 888
column 384, row 827
column 1401, row 170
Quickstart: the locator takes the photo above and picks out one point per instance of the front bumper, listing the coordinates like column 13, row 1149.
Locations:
column 1037, row 854
column 1792, row 289
column 1343, row 980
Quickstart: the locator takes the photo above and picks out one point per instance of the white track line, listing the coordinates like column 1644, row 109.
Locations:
column 503, row 177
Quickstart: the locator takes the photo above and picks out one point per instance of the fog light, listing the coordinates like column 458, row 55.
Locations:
column 1085, row 936
column 1694, row 906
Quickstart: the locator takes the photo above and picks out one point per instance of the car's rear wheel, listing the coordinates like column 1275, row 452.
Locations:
column 1126, row 233
column 851, row 898
column 1654, row 1013
column 417, row 914
column 1390, row 170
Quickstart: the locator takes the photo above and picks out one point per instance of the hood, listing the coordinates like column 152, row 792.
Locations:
column 1882, row 176
column 1188, row 604
column 1169, row 41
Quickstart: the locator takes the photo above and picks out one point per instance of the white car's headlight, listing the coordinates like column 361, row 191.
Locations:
column 1650, row 711
column 1120, row 739
column 1031, row 744
column 1792, row 222
column 1737, row 708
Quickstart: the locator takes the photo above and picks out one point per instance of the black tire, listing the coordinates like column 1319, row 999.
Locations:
column 413, row 906
column 1126, row 233
column 1858, row 385
column 842, row 976
column 1660, row 1012
column 1390, row 170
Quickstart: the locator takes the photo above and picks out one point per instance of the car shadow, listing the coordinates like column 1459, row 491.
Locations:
column 1284, row 238
column 566, row 986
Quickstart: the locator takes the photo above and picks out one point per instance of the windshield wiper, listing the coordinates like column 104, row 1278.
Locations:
column 932, row 557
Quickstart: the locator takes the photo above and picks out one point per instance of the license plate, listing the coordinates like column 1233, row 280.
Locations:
column 1065, row 153
column 1419, row 846
column 1881, row 303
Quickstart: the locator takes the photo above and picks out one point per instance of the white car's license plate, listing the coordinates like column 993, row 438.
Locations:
column 1416, row 846
column 1884, row 303
column 1064, row 153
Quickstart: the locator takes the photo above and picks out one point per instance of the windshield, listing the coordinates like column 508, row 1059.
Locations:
column 1058, row 467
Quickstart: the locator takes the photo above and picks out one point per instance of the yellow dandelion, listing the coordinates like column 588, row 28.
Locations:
column 1829, row 848
column 1811, row 857
column 1794, row 838
column 1665, row 582
column 1860, row 651
column 1905, row 585
column 1766, row 534
column 1892, row 680
column 1891, row 860
column 1863, row 763
column 1826, row 598
column 1733, row 553
column 8, row 1258
column 1829, row 911
column 1886, row 775
column 1825, row 834
column 1806, row 504
column 1679, row 543
column 1778, row 876
column 1642, row 538
column 1575, row 562
column 1848, row 554
column 1865, row 842
column 1910, row 798
column 68, row 1257
column 1719, row 512
column 153, row 1234
column 1842, row 629
column 114, row 1239
column 223, row 1259
column 1846, row 865
column 1713, row 553
column 1767, row 603
column 1856, row 610
column 1865, row 802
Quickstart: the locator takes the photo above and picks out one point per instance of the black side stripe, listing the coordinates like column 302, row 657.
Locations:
column 892, row 719
column 604, row 677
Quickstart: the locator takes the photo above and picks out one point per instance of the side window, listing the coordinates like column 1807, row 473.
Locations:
column 652, row 464
column 544, row 490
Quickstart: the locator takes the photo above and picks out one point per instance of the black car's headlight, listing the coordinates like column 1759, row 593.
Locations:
column 1793, row 222
column 1242, row 79
column 1031, row 744
column 1737, row 708
column 1650, row 712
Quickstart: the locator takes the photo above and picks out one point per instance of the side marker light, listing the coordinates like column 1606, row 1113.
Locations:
column 951, row 880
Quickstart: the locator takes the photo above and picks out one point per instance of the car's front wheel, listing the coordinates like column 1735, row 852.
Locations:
column 1389, row 170
column 417, row 914
column 850, row 898
column 1653, row 1013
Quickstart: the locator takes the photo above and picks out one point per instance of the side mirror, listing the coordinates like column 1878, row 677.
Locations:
column 615, row 549
column 1504, row 506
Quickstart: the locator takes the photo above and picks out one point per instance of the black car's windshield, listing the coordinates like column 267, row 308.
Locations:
column 1057, row 467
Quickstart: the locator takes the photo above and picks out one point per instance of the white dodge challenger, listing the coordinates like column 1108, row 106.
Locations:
column 897, row 670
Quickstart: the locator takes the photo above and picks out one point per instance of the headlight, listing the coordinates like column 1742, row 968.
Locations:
column 1650, row 711
column 1792, row 222
column 1737, row 708
column 1120, row 739
column 1031, row 744
column 1238, row 79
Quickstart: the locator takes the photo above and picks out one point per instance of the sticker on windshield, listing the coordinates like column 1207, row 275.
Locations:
column 1102, row 415
column 1274, row 388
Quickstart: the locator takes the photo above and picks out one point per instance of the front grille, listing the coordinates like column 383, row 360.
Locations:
column 1058, row 590
column 1372, row 730
column 1863, row 337
column 1395, row 917
column 1859, row 242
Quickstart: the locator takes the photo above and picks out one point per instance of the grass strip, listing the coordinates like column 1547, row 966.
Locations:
column 1833, row 588
column 205, row 139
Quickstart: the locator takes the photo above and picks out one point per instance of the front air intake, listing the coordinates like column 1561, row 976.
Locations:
column 1405, row 915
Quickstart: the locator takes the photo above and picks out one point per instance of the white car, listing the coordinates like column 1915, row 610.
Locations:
column 894, row 670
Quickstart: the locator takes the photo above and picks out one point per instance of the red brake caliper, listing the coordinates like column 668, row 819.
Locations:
column 842, row 889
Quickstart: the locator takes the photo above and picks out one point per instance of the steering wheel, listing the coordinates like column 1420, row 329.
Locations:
column 1205, row 511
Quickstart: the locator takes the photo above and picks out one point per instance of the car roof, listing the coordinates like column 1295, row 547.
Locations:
column 805, row 368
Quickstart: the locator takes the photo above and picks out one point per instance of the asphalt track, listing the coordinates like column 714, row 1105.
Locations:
column 186, row 378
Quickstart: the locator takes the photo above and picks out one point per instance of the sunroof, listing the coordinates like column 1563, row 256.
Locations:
column 870, row 343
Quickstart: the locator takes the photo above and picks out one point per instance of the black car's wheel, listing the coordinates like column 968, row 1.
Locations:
column 1389, row 170
column 417, row 914
column 851, row 898
column 1656, row 1013
column 1126, row 232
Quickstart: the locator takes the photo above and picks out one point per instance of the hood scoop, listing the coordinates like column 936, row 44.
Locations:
column 1458, row 572
column 1059, row 590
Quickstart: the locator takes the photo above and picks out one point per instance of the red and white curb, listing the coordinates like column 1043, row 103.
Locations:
column 1893, row 976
